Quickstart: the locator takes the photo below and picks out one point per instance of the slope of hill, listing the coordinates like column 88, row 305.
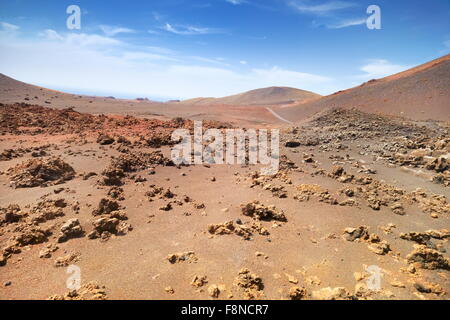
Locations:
column 419, row 93
column 12, row 91
column 263, row 96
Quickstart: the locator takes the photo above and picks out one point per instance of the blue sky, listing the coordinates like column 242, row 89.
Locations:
column 187, row 48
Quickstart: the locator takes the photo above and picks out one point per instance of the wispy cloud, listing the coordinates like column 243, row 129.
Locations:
column 257, row 37
column 447, row 44
column 446, row 49
column 121, row 68
column 157, row 16
column 8, row 27
column 189, row 30
column 324, row 8
column 50, row 34
column 283, row 77
column 378, row 68
column 217, row 61
column 347, row 23
column 236, row 2
column 111, row 31
column 160, row 50
column 145, row 56
column 79, row 39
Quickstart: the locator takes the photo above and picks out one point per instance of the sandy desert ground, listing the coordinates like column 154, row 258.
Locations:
column 88, row 181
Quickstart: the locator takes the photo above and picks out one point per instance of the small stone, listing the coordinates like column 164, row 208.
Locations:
column 297, row 293
column 214, row 291
column 397, row 284
column 328, row 293
column 291, row 279
column 358, row 276
column 169, row 290
column 199, row 281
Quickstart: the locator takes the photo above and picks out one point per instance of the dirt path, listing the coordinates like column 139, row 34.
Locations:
column 278, row 116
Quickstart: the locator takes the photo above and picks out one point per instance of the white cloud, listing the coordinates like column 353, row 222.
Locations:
column 8, row 30
column 347, row 23
column 243, row 62
column 286, row 77
column 111, row 31
column 145, row 56
column 235, row 2
column 447, row 44
column 218, row 61
column 8, row 27
column 51, row 35
column 189, row 30
column 159, row 50
column 101, row 65
column 157, row 16
column 320, row 9
column 79, row 39
column 379, row 68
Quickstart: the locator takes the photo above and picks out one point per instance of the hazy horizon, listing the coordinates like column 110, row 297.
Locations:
column 186, row 49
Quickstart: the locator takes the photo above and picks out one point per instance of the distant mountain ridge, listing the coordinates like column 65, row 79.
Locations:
column 263, row 96
column 420, row 93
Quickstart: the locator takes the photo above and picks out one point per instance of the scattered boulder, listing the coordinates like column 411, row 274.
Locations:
column 378, row 246
column 214, row 291
column 104, row 227
column 3, row 259
column 40, row 173
column 426, row 287
column 251, row 283
column 105, row 139
column 337, row 171
column 427, row 258
column 439, row 164
column 89, row 291
column 329, row 293
column 169, row 290
column 361, row 233
column 116, row 193
column 86, row 176
column 106, row 206
column 30, row 235
column 230, row 228
column 70, row 229
column 46, row 253
column 261, row 212
column 47, row 210
column 67, row 260
column 419, row 237
column 112, row 177
column 188, row 256
column 352, row 234
column 199, row 281
column 292, row 144
column 11, row 214
column 398, row 208
column 297, row 293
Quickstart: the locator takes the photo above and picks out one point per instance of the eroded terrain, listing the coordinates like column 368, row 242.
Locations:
column 101, row 192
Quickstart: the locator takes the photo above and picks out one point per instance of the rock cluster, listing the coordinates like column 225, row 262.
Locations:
column 40, row 173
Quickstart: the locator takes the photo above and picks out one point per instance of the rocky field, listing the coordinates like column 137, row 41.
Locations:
column 355, row 192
